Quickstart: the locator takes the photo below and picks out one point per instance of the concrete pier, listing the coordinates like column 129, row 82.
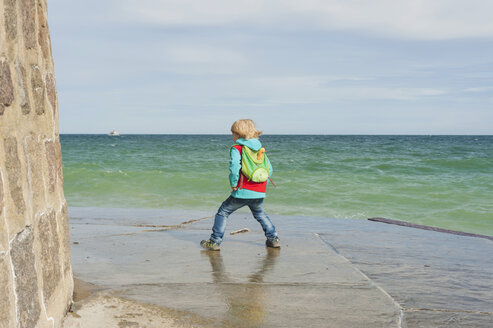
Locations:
column 328, row 273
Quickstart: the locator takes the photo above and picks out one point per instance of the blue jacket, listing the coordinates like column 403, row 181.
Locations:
column 235, row 167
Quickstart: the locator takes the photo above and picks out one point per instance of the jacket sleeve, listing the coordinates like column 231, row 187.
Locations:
column 234, row 167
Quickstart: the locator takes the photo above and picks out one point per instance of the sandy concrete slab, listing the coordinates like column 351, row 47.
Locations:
column 97, row 307
column 105, row 311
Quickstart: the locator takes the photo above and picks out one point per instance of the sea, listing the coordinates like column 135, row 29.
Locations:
column 440, row 181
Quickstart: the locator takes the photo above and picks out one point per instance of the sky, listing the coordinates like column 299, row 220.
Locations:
column 295, row 67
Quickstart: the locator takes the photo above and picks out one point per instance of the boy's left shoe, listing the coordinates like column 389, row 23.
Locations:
column 210, row 245
column 274, row 242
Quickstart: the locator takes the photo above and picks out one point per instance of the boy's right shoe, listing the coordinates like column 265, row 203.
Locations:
column 274, row 242
column 209, row 245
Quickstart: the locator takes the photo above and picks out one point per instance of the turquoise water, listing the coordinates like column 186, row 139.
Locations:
column 443, row 181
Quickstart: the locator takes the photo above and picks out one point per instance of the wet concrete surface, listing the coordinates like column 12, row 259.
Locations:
column 328, row 272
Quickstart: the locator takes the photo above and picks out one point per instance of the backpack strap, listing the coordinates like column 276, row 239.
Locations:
column 239, row 148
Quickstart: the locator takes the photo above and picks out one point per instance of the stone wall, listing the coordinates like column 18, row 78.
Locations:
column 36, row 282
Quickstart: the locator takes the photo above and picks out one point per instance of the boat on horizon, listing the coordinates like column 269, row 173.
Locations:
column 114, row 133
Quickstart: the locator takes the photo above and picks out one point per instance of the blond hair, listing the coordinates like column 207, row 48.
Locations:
column 246, row 129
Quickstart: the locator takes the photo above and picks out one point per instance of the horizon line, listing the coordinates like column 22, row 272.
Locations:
column 287, row 134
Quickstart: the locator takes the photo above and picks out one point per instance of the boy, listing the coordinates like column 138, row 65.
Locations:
column 244, row 192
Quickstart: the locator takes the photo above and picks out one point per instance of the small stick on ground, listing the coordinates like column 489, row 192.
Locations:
column 239, row 231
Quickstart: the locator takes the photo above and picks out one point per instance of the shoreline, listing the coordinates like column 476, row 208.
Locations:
column 156, row 210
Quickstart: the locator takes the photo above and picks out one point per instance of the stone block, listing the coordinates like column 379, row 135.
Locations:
column 1, row 194
column 22, row 88
column 43, row 35
column 51, row 91
column 3, row 229
column 5, row 293
column 28, row 10
column 6, row 87
column 52, row 164
column 10, row 12
column 4, row 242
column 14, row 173
column 38, row 88
column 26, row 280
column 64, row 223
column 4, row 237
column 33, row 150
column 50, row 256
column 59, row 164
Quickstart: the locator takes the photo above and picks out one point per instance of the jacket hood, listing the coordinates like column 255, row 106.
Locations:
column 253, row 144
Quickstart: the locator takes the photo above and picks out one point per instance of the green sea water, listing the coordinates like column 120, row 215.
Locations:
column 442, row 181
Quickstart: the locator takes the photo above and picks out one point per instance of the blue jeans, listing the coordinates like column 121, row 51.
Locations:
column 232, row 204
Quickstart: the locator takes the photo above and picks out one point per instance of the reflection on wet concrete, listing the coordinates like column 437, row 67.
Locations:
column 329, row 273
column 245, row 303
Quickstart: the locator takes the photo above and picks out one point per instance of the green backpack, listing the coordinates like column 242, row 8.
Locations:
column 254, row 164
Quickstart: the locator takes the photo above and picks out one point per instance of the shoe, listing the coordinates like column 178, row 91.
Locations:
column 209, row 245
column 274, row 242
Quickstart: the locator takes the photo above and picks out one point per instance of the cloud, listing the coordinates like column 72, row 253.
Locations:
column 479, row 89
column 279, row 91
column 411, row 19
column 314, row 89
